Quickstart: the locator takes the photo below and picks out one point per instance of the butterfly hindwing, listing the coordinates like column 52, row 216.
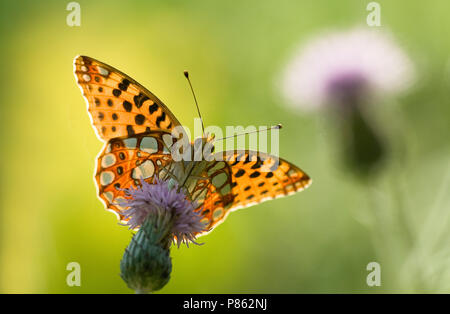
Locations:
column 212, row 194
column 118, row 105
column 125, row 160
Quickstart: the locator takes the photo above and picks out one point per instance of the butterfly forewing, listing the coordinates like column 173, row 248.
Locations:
column 255, row 177
column 258, row 177
column 118, row 105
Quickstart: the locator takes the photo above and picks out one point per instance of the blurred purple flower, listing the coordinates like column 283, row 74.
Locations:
column 160, row 199
column 339, row 66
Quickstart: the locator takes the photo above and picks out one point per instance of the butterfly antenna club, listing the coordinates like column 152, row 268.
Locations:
column 186, row 75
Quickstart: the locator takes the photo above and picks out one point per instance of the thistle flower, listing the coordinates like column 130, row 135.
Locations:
column 163, row 214
column 359, row 62
column 153, row 199
column 345, row 72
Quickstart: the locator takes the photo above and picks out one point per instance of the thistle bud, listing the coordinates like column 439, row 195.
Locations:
column 146, row 264
column 346, row 73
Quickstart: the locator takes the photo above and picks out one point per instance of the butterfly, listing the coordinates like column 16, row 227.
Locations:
column 136, row 128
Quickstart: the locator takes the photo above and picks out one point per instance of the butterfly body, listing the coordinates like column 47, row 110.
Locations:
column 137, row 129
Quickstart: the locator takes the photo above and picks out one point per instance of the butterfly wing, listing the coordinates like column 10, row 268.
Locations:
column 212, row 193
column 254, row 177
column 258, row 177
column 125, row 160
column 117, row 104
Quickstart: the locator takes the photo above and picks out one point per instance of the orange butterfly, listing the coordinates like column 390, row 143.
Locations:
column 137, row 130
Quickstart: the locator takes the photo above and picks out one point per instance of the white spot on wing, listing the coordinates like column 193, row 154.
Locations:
column 109, row 196
column 144, row 171
column 86, row 77
column 149, row 145
column 217, row 213
column 106, row 177
column 102, row 71
column 108, row 160
column 219, row 179
column 130, row 142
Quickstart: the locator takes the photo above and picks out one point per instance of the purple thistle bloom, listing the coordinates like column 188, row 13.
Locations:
column 159, row 199
column 344, row 72
column 355, row 64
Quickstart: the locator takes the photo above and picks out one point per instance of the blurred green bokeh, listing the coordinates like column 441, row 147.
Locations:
column 318, row 241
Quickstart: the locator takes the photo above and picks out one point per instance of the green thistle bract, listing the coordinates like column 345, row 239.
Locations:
column 146, row 264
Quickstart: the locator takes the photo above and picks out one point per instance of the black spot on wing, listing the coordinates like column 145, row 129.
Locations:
column 127, row 106
column 255, row 174
column 247, row 159
column 152, row 108
column 258, row 163
column 139, row 119
column 160, row 119
column 240, row 173
column 140, row 99
column 124, row 84
column 130, row 130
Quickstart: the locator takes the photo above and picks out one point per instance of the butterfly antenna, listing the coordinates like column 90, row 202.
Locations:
column 275, row 127
column 186, row 74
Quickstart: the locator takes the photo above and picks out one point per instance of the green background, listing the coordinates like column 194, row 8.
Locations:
column 317, row 241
